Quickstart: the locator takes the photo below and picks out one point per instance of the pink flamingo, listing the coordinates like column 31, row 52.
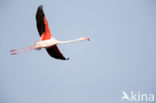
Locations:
column 47, row 41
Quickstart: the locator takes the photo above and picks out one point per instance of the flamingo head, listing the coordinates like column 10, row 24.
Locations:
column 84, row 38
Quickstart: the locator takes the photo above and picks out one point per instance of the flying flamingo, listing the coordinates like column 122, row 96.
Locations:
column 47, row 41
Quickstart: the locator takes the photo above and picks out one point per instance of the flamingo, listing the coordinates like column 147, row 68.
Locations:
column 47, row 41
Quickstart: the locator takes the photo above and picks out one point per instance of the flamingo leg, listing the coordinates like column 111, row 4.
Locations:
column 21, row 48
column 23, row 51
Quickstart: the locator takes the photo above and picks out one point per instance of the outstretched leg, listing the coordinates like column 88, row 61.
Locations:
column 22, row 51
column 21, row 48
column 25, row 49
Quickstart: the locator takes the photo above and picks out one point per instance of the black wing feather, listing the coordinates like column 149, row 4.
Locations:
column 40, row 20
column 55, row 52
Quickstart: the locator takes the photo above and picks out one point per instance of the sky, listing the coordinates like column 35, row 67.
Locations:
column 120, row 56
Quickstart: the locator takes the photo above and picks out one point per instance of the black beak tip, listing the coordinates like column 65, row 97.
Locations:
column 67, row 58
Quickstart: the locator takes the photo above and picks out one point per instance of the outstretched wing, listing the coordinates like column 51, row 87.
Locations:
column 42, row 24
column 55, row 52
column 44, row 32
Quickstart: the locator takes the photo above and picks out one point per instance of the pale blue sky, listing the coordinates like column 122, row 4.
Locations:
column 120, row 56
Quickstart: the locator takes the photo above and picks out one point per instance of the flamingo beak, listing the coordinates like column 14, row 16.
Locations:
column 85, row 38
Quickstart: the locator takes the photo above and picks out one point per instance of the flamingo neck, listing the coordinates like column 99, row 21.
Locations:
column 70, row 41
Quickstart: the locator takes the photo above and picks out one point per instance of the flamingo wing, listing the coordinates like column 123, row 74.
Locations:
column 42, row 24
column 55, row 52
column 44, row 32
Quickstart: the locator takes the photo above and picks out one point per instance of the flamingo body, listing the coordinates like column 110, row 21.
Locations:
column 46, row 43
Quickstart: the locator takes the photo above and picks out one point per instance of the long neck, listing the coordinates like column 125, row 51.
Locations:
column 70, row 41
